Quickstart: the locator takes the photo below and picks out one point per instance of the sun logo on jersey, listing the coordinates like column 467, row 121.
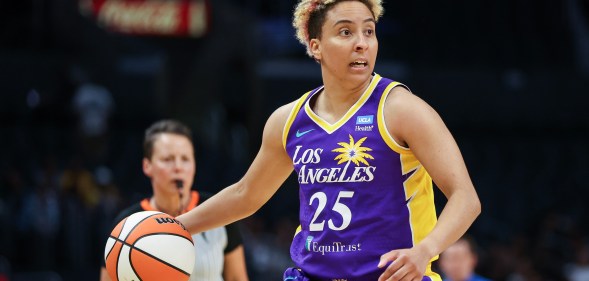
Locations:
column 353, row 152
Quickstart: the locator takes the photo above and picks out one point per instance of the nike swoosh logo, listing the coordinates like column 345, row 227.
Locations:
column 300, row 134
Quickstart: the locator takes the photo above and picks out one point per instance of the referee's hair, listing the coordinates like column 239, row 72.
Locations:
column 168, row 126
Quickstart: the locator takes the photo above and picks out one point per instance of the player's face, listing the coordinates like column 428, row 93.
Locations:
column 348, row 46
column 458, row 262
column 172, row 160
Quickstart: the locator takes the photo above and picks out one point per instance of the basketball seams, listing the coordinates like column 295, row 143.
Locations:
column 125, row 243
column 111, row 248
column 119, row 258
column 130, row 234
column 156, row 258
column 137, row 224
column 132, row 247
column 131, row 262
column 146, row 235
column 131, row 231
column 119, row 255
column 163, row 233
column 116, row 261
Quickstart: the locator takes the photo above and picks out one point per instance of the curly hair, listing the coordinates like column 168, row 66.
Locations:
column 309, row 16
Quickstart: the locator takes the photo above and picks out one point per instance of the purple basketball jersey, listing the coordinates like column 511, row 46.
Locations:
column 361, row 194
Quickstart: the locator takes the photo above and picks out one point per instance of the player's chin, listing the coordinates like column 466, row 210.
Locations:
column 359, row 75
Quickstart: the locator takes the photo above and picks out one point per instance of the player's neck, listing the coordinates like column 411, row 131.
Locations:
column 336, row 99
column 342, row 91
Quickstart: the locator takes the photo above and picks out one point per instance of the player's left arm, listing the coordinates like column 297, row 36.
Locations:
column 415, row 124
column 234, row 268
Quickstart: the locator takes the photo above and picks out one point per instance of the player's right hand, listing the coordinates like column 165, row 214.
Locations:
column 404, row 265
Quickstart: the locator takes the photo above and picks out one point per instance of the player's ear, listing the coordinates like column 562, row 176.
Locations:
column 147, row 167
column 315, row 47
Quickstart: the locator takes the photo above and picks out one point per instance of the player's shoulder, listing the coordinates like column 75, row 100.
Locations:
column 400, row 92
column 401, row 100
column 405, row 112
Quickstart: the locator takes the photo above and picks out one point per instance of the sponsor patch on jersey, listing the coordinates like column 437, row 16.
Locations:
column 364, row 128
column 365, row 120
column 329, row 248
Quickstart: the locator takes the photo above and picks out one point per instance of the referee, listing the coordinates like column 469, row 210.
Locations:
column 168, row 160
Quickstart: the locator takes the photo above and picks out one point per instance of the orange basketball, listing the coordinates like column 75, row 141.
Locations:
column 149, row 246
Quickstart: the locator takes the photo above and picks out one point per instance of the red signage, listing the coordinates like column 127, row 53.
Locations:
column 151, row 17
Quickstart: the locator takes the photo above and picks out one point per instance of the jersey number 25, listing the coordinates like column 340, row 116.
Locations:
column 338, row 207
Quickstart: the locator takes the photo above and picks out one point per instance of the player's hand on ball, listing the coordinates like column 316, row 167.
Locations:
column 404, row 265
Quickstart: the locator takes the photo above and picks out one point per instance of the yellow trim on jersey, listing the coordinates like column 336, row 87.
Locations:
column 382, row 128
column 299, row 229
column 432, row 275
column 330, row 128
column 418, row 187
column 420, row 196
column 419, row 192
column 292, row 116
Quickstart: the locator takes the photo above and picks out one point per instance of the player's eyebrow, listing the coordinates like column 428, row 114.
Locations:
column 349, row 21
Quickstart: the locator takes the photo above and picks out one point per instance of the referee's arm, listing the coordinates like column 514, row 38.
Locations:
column 104, row 274
column 234, row 268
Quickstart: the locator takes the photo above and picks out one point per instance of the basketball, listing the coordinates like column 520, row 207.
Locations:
column 149, row 246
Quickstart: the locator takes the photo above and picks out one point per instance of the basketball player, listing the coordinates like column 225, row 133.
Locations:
column 365, row 150
column 168, row 160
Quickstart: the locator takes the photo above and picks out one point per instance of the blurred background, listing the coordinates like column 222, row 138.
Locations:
column 80, row 80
